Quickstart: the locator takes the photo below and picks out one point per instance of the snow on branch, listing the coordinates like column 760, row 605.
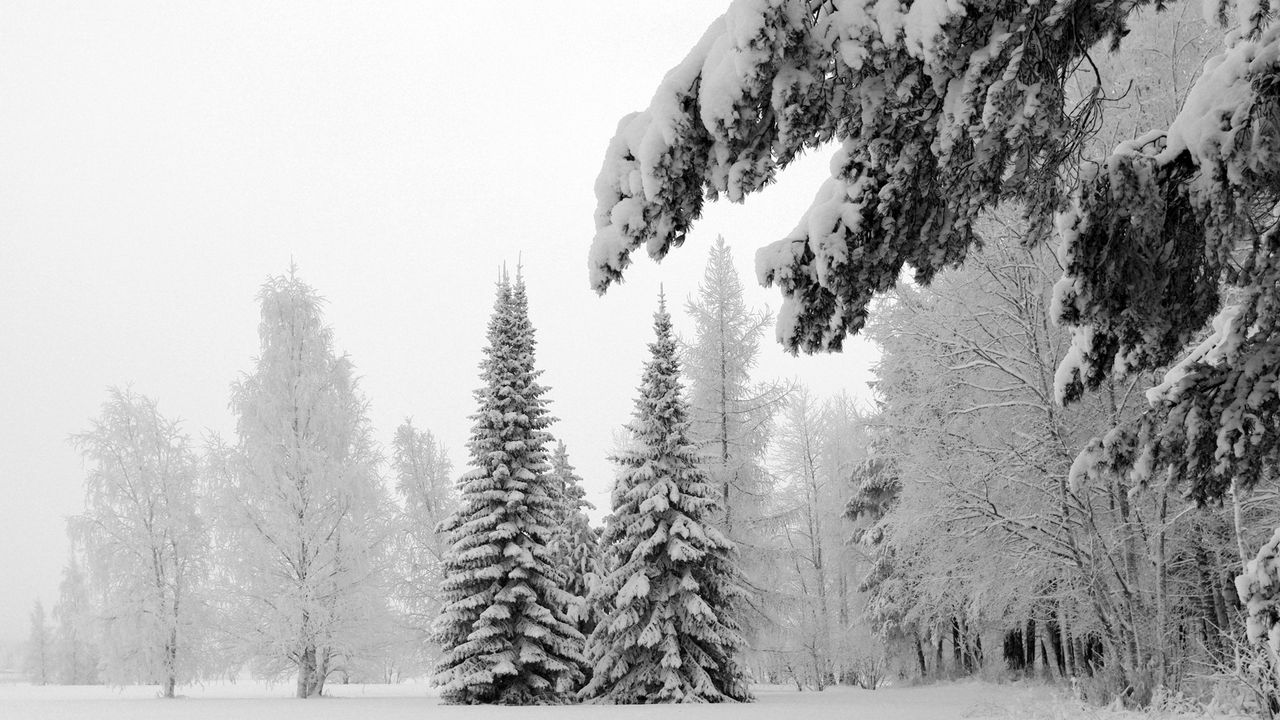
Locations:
column 942, row 108
column 1156, row 234
column 1259, row 589
column 1149, row 235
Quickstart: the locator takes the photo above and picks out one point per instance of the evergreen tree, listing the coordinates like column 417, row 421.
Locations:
column 667, row 631
column 575, row 546
column 39, row 648
column 505, row 629
column 876, row 491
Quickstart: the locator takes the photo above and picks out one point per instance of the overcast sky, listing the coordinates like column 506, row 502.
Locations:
column 159, row 160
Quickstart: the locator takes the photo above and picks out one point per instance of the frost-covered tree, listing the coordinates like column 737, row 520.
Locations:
column 306, row 514
column 39, row 658
column 888, row 601
column 575, row 546
column 505, row 629
column 145, row 542
column 1100, row 578
column 806, row 503
column 945, row 110
column 423, row 478
column 668, row 630
column 730, row 414
column 75, row 648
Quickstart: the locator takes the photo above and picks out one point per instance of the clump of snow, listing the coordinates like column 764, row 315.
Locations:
column 1219, row 102
column 1259, row 589
column 1221, row 345
column 1070, row 369
column 712, row 95
column 923, row 23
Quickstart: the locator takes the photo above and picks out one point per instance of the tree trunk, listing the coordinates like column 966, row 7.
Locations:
column 307, row 672
column 1064, row 641
column 1029, row 658
column 937, row 663
column 1048, row 650
column 322, row 671
column 1162, row 592
column 957, row 653
column 171, row 663
column 924, row 670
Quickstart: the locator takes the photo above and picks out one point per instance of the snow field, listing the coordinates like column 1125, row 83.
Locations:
column 254, row 701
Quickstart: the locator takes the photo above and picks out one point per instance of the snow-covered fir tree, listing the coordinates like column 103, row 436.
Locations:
column 575, row 546
column 39, row 657
column 146, row 543
column 667, row 630
column 306, row 514
column 506, row 631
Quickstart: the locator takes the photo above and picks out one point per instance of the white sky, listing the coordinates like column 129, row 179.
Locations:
column 159, row 160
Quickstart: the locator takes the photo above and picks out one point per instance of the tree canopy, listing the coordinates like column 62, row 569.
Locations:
column 944, row 110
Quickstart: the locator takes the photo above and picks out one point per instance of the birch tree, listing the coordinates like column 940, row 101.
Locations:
column 145, row 541
column 424, row 483
column 803, row 499
column 306, row 513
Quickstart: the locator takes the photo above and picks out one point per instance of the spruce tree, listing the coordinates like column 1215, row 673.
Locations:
column 667, row 630
column 504, row 630
column 574, row 546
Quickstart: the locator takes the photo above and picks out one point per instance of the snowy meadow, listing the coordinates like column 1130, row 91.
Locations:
column 981, row 701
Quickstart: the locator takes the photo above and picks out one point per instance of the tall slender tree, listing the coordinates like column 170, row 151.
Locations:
column 39, row 647
column 146, row 543
column 806, row 501
column 668, row 630
column 307, row 513
column 423, row 477
column 74, row 647
column 731, row 415
column 505, row 630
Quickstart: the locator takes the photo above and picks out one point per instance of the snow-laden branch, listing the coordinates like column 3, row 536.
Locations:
column 941, row 110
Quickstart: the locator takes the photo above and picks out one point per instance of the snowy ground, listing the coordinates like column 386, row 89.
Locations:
column 251, row 701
